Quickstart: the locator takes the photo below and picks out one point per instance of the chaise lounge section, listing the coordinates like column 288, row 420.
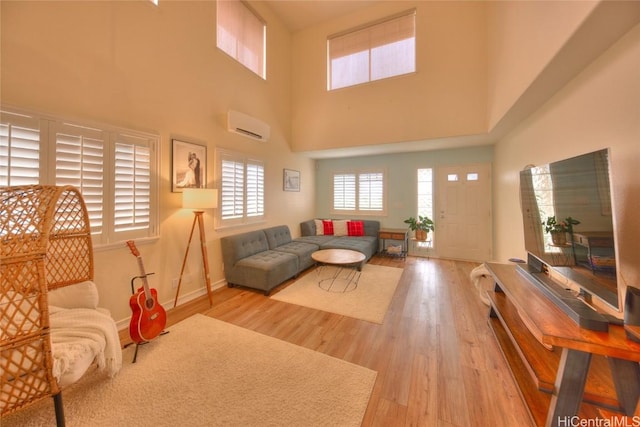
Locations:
column 250, row 261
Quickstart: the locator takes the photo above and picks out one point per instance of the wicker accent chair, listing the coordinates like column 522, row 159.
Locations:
column 45, row 243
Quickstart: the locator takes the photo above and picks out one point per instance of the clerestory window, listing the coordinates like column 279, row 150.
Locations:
column 241, row 34
column 374, row 51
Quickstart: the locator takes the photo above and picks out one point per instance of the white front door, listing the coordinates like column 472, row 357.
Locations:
column 463, row 218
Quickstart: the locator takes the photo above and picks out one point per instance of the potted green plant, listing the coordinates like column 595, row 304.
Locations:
column 421, row 226
column 559, row 229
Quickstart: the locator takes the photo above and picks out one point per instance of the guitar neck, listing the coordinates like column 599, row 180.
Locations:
column 143, row 276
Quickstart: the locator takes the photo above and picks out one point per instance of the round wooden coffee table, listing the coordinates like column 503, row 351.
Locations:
column 338, row 269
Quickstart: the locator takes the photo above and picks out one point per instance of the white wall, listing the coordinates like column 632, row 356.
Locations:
column 400, row 179
column 600, row 108
column 134, row 65
column 523, row 38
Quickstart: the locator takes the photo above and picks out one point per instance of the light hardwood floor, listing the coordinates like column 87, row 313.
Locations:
column 437, row 361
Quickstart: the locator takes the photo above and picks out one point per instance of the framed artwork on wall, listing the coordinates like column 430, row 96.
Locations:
column 291, row 180
column 188, row 166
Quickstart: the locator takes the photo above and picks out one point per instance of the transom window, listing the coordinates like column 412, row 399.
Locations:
column 375, row 51
column 241, row 189
column 242, row 35
column 359, row 192
column 114, row 169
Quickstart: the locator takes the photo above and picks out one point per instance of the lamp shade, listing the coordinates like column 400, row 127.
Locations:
column 193, row 198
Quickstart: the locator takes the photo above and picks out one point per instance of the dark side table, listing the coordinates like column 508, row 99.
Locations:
column 395, row 234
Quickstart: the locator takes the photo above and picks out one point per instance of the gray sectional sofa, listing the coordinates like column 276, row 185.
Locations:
column 263, row 259
column 367, row 244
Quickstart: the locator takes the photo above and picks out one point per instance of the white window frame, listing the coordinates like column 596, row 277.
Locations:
column 354, row 186
column 374, row 51
column 242, row 34
column 83, row 154
column 241, row 183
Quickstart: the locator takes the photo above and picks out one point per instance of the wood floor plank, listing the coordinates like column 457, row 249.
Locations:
column 423, row 395
column 436, row 359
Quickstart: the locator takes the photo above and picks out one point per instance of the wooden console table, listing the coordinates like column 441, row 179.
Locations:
column 557, row 365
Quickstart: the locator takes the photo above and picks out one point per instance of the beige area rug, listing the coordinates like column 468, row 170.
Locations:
column 210, row 373
column 369, row 301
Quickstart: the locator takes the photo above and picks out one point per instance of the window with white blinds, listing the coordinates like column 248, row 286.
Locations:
column 132, row 195
column 255, row 189
column 241, row 34
column 375, row 51
column 359, row 192
column 19, row 149
column 370, row 192
column 344, row 191
column 241, row 188
column 79, row 161
column 115, row 170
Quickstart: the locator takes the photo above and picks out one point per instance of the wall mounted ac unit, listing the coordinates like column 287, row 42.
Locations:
column 248, row 126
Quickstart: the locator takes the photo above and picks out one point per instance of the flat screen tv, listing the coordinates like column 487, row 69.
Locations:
column 573, row 197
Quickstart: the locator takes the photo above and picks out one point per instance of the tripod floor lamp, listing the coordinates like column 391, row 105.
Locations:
column 198, row 200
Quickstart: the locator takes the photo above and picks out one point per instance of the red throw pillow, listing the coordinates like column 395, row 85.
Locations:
column 328, row 227
column 355, row 228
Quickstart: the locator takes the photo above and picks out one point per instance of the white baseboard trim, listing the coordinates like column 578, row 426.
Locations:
column 183, row 299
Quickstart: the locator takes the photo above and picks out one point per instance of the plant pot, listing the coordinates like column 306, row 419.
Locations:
column 421, row 235
column 559, row 238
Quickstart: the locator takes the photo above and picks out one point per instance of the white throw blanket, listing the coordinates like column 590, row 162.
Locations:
column 74, row 332
column 483, row 281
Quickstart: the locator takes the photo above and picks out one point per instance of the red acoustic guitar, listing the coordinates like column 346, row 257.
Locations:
column 149, row 318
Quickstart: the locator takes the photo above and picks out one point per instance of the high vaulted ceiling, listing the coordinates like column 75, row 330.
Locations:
column 606, row 24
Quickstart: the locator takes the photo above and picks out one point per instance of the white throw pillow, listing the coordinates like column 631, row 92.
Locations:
column 80, row 295
column 319, row 227
column 340, row 227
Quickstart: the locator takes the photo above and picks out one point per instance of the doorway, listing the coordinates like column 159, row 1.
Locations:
column 463, row 212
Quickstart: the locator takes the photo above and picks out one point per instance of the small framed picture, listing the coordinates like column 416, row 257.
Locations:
column 188, row 166
column 291, row 180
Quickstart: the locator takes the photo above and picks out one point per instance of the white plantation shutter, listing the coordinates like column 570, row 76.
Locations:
column 19, row 149
column 115, row 170
column 132, row 189
column 358, row 192
column 344, row 192
column 79, row 161
column 232, row 189
column 370, row 191
column 241, row 188
column 255, row 189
